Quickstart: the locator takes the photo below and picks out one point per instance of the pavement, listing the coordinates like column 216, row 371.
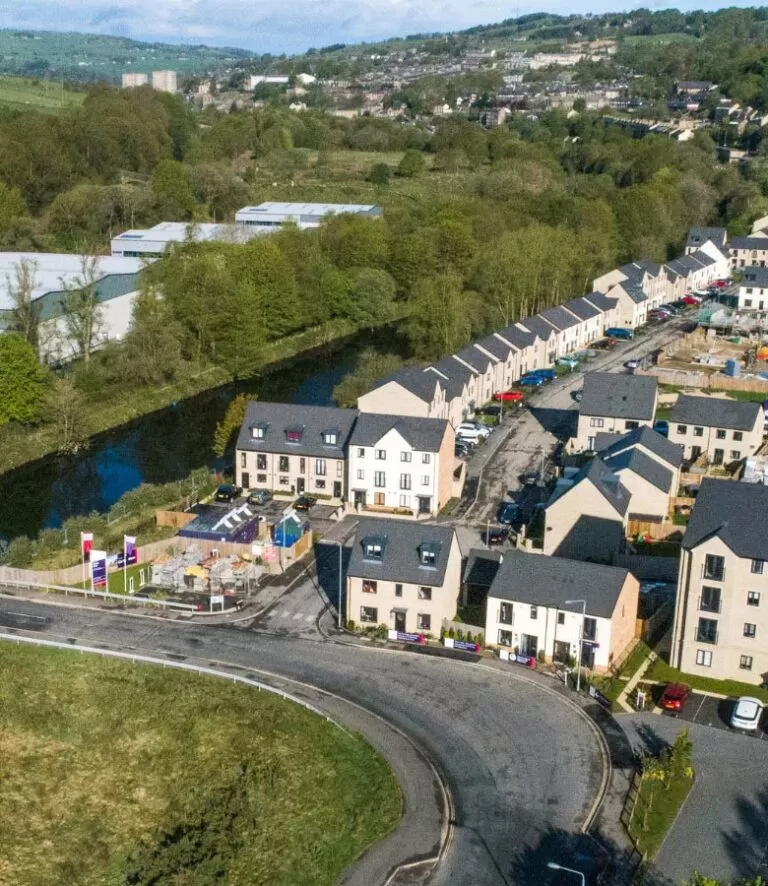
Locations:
column 722, row 829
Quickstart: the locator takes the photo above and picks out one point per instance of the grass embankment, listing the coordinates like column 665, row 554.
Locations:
column 611, row 687
column 48, row 96
column 114, row 773
column 655, row 812
column 663, row 673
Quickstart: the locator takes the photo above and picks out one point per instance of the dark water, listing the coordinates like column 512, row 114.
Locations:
column 157, row 448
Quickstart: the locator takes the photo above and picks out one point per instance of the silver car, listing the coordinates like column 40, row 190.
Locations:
column 747, row 713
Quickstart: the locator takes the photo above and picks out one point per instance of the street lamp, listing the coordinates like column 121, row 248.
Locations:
column 340, row 610
column 558, row 867
column 581, row 634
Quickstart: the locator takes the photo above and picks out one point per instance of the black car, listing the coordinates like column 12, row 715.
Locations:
column 529, row 478
column 461, row 450
column 260, row 497
column 304, row 503
column 497, row 535
column 508, row 513
column 227, row 492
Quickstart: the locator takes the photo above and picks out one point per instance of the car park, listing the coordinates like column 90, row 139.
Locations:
column 260, row 497
column 227, row 492
column 747, row 713
column 674, row 697
column 509, row 396
column 304, row 503
column 533, row 381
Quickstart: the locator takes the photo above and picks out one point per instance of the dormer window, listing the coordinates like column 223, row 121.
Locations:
column 373, row 548
column 428, row 552
column 330, row 438
column 258, row 431
column 293, row 435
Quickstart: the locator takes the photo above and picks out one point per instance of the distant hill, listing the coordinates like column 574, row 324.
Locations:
column 88, row 57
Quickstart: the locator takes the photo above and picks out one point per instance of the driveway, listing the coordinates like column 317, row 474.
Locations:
column 715, row 712
column 722, row 830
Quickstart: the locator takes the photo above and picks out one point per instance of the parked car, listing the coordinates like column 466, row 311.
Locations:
column 496, row 535
column 546, row 374
column 747, row 713
column 227, row 492
column 674, row 308
column 569, row 362
column 661, row 427
column 619, row 332
column 675, row 696
column 461, row 449
column 470, row 431
column 260, row 497
column 532, row 381
column 509, row 396
column 578, row 396
column 691, row 300
column 721, row 284
column 305, row 502
column 632, row 364
column 529, row 478
column 508, row 513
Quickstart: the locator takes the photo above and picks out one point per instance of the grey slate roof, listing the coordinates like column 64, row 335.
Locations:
column 538, row 327
column 611, row 444
column 481, row 567
column 400, row 560
column 312, row 421
column 633, row 272
column 604, row 480
column 423, row 434
column 748, row 243
column 618, row 396
column 698, row 237
column 734, row 512
column 715, row 412
column 649, row 266
column 559, row 318
column 456, row 375
column 755, row 276
column 518, row 337
column 641, row 464
column 494, row 345
column 601, row 301
column 414, row 379
column 550, row 581
column 474, row 358
column 582, row 308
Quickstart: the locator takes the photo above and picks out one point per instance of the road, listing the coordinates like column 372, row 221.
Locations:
column 523, row 766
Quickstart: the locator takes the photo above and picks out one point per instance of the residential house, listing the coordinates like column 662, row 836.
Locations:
column 292, row 449
column 608, row 307
column 566, row 326
column 591, row 325
column 701, row 268
column 408, row 391
column 656, row 282
column 529, row 347
column 721, row 612
column 698, row 236
column 748, row 252
column 483, row 368
column 402, row 574
column 649, row 483
column 507, row 361
column 647, row 441
column 549, row 605
column 724, row 430
column 461, row 387
column 753, row 289
column 400, row 463
column 586, row 517
column 545, row 344
column 631, row 298
column 613, row 403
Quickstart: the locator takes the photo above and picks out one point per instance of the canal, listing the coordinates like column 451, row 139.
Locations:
column 161, row 447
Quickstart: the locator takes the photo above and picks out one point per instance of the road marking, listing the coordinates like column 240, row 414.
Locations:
column 698, row 710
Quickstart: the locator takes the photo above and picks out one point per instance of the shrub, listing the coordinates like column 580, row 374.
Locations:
column 351, row 626
column 541, row 656
column 20, row 552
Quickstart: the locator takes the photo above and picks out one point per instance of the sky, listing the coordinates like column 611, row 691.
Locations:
column 289, row 27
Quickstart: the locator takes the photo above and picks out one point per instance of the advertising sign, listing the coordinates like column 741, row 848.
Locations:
column 406, row 638
column 527, row 660
column 98, row 563
column 461, row 644
column 599, row 697
column 130, row 550
column 591, row 643
column 86, row 543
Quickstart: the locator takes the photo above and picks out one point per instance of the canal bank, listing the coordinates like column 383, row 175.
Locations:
column 166, row 444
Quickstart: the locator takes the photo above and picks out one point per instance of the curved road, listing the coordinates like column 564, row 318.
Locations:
column 524, row 767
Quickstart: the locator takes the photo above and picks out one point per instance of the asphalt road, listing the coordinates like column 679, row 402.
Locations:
column 523, row 766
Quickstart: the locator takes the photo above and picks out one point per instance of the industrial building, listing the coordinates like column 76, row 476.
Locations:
column 153, row 242
column 304, row 215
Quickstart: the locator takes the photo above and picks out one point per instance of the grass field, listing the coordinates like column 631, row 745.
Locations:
column 41, row 95
column 114, row 773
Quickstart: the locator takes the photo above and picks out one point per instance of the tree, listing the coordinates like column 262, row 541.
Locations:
column 232, row 421
column 371, row 366
column 441, row 321
column 373, row 295
column 680, row 758
column 173, row 191
column 80, row 307
column 151, row 352
column 25, row 313
column 65, row 409
column 380, row 174
column 22, row 380
column 411, row 164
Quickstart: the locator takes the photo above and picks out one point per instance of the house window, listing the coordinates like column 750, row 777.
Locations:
column 381, row 454
column 698, row 432
column 710, row 599
column 405, row 481
column 589, row 632
column 284, row 481
column 706, row 632
column 753, row 597
column 561, row 618
column 745, row 662
column 682, row 429
column 505, row 613
column 398, row 590
column 425, row 480
column 261, row 478
column 380, row 479
column 319, row 484
column 704, row 658
column 714, row 567
column 738, row 436
column 405, row 456
column 370, row 587
column 293, row 435
column 747, row 302
column 360, row 474
column 505, row 638
column 320, row 467
column 284, row 464
column 369, row 615
column 423, row 621
column 597, row 422
column 243, row 463
column 330, row 438
column 373, row 549
column 339, row 468
column 757, row 567
column 261, row 462
column 257, row 432
column 425, row 593
column 302, row 466
column 750, row 630
column 426, row 458
column 720, row 434
column 405, row 501
column 360, row 452
column 534, row 613
column 735, row 454
column 631, row 425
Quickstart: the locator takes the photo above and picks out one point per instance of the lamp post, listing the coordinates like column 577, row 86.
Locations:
column 558, row 867
column 581, row 634
column 340, row 608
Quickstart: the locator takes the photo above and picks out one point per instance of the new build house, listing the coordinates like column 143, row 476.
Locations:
column 292, row 449
column 753, row 289
column 408, row 391
column 404, row 575
column 613, row 404
column 748, row 252
column 400, row 463
column 721, row 612
column 724, row 430
column 550, row 605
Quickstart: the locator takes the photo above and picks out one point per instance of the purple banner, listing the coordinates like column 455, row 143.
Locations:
column 405, row 637
column 98, row 569
column 528, row 660
column 461, row 644
column 131, row 551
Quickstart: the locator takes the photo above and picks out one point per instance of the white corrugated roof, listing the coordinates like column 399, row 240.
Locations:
column 306, row 208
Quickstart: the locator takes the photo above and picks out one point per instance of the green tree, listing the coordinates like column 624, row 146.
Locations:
column 25, row 311
column 173, row 192
column 380, row 174
column 411, row 164
column 373, row 295
column 371, row 366
column 65, row 409
column 22, row 380
column 680, row 758
column 231, row 423
column 151, row 352
column 442, row 316
column 80, row 307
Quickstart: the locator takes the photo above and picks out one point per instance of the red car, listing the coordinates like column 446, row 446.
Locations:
column 675, row 696
column 721, row 284
column 691, row 300
column 510, row 396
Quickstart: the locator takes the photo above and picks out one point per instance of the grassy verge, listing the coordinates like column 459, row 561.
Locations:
column 611, row 687
column 655, row 812
column 171, row 777
column 116, row 581
column 662, row 672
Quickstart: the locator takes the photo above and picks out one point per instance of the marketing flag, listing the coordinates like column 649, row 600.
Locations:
column 86, row 543
column 98, row 563
column 130, row 551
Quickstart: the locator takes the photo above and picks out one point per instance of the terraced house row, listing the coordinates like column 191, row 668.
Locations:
column 456, row 385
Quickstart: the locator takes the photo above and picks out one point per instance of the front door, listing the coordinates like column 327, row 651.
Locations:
column 562, row 651
column 399, row 621
column 587, row 656
column 719, row 454
column 300, row 485
column 359, row 498
column 245, row 479
column 337, row 489
column 529, row 645
column 695, row 452
column 425, row 504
